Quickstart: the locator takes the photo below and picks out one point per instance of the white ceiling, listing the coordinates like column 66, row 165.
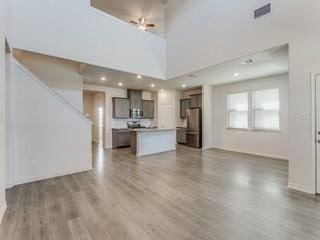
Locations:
column 93, row 74
column 270, row 62
column 152, row 10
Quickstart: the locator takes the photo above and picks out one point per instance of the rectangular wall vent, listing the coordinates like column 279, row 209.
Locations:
column 262, row 11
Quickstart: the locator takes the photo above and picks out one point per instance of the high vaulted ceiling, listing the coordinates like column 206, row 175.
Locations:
column 266, row 63
column 152, row 10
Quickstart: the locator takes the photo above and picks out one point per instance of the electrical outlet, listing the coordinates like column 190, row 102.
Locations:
column 33, row 164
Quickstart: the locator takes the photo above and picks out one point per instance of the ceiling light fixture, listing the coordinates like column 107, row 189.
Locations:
column 103, row 78
column 142, row 27
column 184, row 85
column 152, row 85
column 139, row 76
column 248, row 61
column 236, row 74
column 193, row 75
column 120, row 84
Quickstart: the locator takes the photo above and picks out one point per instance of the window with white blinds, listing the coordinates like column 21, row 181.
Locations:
column 238, row 110
column 266, row 109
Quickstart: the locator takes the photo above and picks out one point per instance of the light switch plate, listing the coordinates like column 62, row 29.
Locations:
column 304, row 116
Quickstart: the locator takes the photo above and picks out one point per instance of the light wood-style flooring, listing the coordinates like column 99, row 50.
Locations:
column 186, row 194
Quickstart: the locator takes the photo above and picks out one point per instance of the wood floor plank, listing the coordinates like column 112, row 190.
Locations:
column 187, row 194
column 79, row 230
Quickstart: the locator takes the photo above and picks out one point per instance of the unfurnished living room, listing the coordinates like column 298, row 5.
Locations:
column 159, row 119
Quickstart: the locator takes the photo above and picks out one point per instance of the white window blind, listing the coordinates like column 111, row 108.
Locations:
column 266, row 108
column 238, row 110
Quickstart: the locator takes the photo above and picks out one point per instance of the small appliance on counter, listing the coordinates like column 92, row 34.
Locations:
column 134, row 124
column 194, row 127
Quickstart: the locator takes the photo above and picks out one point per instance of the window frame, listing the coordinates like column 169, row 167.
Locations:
column 228, row 111
column 253, row 109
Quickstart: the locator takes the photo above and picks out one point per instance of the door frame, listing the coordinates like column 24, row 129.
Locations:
column 315, row 79
column 9, row 117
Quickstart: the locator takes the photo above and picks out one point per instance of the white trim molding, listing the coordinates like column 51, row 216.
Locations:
column 300, row 188
column 313, row 79
column 40, row 178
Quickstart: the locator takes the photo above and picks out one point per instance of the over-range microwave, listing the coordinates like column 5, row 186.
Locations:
column 136, row 113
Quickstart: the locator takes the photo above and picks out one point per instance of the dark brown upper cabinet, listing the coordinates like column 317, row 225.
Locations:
column 148, row 109
column 121, row 108
column 184, row 105
column 196, row 101
column 135, row 97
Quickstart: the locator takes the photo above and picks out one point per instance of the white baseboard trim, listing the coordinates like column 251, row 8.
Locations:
column 2, row 210
column 207, row 148
column 300, row 188
column 252, row 153
column 35, row 179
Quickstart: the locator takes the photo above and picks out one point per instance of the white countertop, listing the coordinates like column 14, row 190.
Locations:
column 152, row 129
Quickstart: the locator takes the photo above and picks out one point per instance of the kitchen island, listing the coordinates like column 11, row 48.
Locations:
column 149, row 141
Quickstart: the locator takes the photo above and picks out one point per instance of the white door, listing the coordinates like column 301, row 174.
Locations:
column 318, row 131
column 166, row 116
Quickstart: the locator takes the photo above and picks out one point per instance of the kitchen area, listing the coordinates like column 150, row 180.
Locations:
column 145, row 134
column 141, row 138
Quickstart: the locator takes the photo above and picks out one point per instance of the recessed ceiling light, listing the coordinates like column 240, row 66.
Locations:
column 236, row 74
column 139, row 76
column 184, row 85
column 120, row 84
column 161, row 90
column 142, row 27
column 152, row 85
column 103, row 78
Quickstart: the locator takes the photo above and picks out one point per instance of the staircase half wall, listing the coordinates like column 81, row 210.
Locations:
column 50, row 137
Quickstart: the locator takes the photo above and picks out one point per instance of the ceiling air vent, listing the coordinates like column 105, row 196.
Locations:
column 262, row 11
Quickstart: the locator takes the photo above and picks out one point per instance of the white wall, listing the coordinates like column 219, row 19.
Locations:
column 51, row 138
column 60, row 75
column 72, row 30
column 208, row 121
column 109, row 121
column 230, row 32
column 271, row 144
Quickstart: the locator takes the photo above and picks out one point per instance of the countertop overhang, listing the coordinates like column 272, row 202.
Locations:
column 141, row 130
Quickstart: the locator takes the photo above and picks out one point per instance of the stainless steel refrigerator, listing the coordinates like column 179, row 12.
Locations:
column 194, row 127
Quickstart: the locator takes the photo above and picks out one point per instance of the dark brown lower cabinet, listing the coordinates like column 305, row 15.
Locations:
column 133, row 136
column 182, row 135
column 120, row 138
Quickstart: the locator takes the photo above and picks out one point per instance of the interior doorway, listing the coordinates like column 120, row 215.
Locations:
column 94, row 109
column 100, row 124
